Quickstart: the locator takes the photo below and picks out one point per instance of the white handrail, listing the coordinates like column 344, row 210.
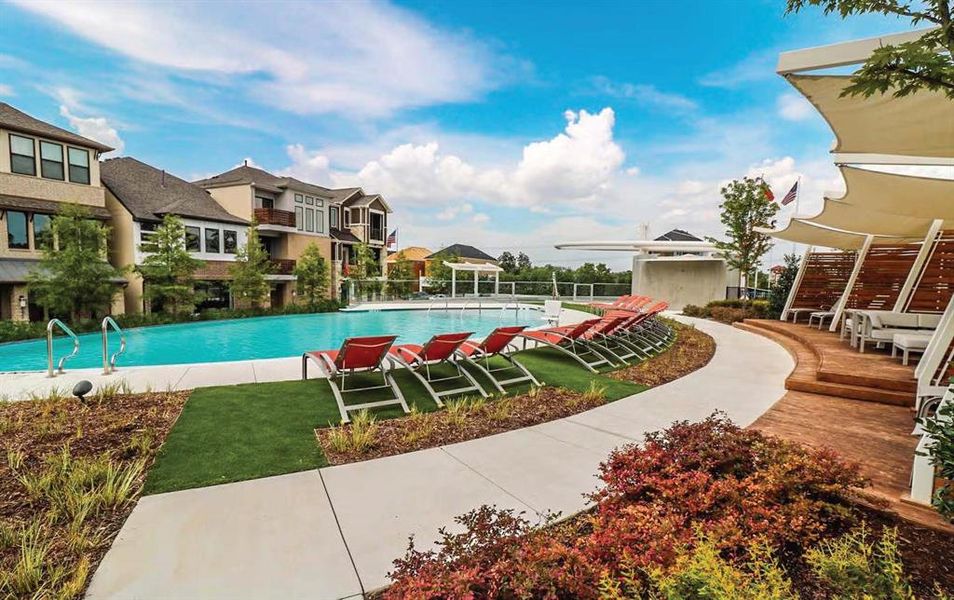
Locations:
column 49, row 346
column 109, row 362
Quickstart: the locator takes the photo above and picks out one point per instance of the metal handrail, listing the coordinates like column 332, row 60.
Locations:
column 109, row 362
column 49, row 346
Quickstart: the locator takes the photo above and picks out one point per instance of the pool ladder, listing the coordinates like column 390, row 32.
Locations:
column 109, row 361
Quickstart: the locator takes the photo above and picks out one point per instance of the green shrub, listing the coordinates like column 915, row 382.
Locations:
column 851, row 567
column 941, row 428
column 691, row 310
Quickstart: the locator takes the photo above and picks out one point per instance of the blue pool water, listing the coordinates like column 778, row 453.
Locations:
column 265, row 337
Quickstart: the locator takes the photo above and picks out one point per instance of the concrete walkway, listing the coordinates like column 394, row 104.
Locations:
column 333, row 533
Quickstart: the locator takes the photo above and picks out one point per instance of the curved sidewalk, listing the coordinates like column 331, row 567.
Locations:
column 333, row 533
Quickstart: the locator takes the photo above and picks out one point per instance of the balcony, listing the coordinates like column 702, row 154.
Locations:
column 282, row 266
column 377, row 235
column 273, row 216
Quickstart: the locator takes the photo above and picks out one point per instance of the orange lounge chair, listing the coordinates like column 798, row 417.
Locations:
column 569, row 340
column 440, row 349
column 497, row 343
column 357, row 355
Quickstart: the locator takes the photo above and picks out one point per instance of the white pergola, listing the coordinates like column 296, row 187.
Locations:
column 881, row 208
column 476, row 269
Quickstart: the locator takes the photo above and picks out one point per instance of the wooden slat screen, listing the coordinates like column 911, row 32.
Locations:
column 935, row 283
column 881, row 276
column 824, row 281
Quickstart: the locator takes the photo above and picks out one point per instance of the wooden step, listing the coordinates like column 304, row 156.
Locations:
column 805, row 376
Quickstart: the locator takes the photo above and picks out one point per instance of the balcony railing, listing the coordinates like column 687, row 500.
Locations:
column 282, row 266
column 273, row 216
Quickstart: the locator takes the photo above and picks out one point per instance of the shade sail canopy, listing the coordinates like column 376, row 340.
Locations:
column 921, row 124
column 801, row 232
column 852, row 217
column 905, row 195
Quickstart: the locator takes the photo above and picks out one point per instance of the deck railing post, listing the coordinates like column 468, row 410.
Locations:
column 840, row 305
column 796, row 284
column 915, row 274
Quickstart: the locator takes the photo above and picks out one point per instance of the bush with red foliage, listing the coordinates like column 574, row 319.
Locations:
column 711, row 478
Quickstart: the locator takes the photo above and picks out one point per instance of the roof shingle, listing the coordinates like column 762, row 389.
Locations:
column 16, row 120
column 149, row 193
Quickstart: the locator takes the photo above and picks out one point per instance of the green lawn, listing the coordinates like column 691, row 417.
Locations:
column 239, row 432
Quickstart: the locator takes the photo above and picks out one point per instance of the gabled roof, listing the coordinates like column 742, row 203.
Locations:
column 343, row 235
column 262, row 179
column 462, row 251
column 678, row 235
column 366, row 200
column 412, row 253
column 15, row 120
column 149, row 193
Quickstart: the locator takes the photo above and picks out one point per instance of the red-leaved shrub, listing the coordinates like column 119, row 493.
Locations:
column 710, row 478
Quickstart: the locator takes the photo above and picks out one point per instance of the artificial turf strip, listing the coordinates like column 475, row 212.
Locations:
column 240, row 432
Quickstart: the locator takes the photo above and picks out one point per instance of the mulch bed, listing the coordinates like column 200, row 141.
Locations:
column 496, row 415
column 692, row 350
column 40, row 428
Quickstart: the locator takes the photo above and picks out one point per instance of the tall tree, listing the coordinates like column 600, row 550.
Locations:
column 902, row 69
column 365, row 271
column 440, row 274
column 311, row 271
column 745, row 206
column 507, row 262
column 401, row 276
column 249, row 285
column 168, row 268
column 73, row 277
column 523, row 262
column 779, row 292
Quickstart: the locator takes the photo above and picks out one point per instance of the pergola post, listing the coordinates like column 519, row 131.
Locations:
column 840, row 305
column 476, row 291
column 909, row 284
column 453, row 283
column 497, row 283
column 796, row 284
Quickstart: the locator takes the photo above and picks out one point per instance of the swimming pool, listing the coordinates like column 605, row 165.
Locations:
column 262, row 337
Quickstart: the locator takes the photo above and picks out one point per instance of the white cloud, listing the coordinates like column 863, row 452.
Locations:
column 481, row 218
column 758, row 66
column 794, row 107
column 451, row 212
column 95, row 128
column 645, row 94
column 354, row 58
column 6, row 90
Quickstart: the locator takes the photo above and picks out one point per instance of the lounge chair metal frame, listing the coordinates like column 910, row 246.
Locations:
column 478, row 354
column 418, row 362
column 332, row 371
column 575, row 347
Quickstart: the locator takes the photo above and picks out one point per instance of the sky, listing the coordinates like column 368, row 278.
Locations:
column 504, row 125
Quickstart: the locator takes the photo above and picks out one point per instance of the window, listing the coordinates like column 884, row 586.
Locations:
column 42, row 231
column 299, row 218
column 309, row 200
column 17, row 230
column 320, row 221
column 79, row 165
column 146, row 233
column 298, row 198
column 266, row 202
column 22, row 155
column 231, row 241
column 212, row 241
column 51, row 160
column 347, row 217
column 309, row 219
column 192, row 239
column 333, row 217
column 319, row 202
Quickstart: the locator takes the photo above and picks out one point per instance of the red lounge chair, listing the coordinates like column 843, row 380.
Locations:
column 618, row 303
column 357, row 355
column 569, row 340
column 440, row 349
column 497, row 343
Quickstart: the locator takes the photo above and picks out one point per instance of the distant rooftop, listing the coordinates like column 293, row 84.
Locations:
column 15, row 120
column 462, row 251
column 678, row 235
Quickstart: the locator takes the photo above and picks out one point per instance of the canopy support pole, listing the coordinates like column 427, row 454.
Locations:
column 453, row 283
column 907, row 290
column 476, row 292
column 840, row 305
column 496, row 284
column 796, row 284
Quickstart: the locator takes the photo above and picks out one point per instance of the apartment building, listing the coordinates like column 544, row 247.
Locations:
column 42, row 167
column 291, row 214
column 138, row 196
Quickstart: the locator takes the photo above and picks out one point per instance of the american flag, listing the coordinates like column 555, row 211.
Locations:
column 392, row 239
column 791, row 195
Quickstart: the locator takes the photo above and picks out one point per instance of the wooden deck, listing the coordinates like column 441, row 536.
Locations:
column 859, row 410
